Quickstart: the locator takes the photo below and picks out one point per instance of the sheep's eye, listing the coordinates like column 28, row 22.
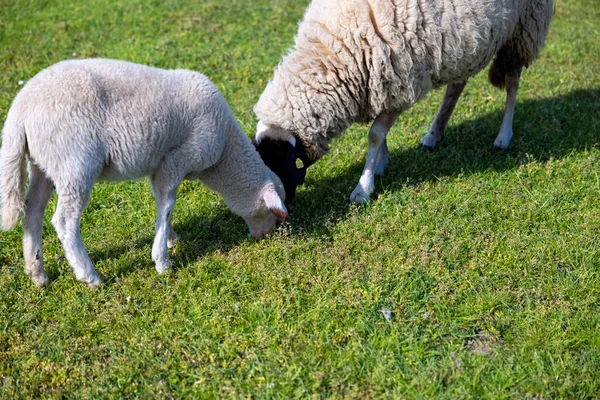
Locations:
column 299, row 163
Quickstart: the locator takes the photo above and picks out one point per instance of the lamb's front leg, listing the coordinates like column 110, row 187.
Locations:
column 377, row 156
column 438, row 127
column 164, row 187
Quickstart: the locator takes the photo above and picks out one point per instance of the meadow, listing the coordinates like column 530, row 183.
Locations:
column 488, row 263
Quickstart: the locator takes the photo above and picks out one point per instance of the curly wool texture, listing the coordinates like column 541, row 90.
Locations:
column 354, row 59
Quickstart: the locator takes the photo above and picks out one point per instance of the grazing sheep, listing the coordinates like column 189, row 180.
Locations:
column 83, row 120
column 363, row 60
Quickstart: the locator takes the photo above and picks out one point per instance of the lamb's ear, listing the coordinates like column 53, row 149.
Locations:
column 274, row 203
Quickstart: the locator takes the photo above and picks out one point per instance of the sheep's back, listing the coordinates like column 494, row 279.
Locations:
column 389, row 53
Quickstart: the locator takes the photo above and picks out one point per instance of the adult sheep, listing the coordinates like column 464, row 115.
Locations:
column 83, row 120
column 363, row 60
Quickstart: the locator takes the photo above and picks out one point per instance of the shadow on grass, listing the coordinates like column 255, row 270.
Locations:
column 544, row 129
column 198, row 236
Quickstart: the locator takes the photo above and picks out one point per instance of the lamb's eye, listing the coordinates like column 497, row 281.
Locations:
column 299, row 163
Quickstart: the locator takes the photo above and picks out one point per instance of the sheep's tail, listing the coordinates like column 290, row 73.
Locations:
column 12, row 172
column 497, row 72
column 526, row 42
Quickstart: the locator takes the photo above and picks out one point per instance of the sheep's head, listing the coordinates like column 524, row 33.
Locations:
column 268, row 210
column 282, row 153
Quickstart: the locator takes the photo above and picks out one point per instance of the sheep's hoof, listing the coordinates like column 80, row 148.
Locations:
column 430, row 141
column 426, row 148
column 498, row 149
column 172, row 242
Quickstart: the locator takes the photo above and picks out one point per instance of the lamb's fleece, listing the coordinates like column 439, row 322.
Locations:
column 354, row 59
column 83, row 120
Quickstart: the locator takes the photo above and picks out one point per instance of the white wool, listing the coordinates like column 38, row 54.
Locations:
column 83, row 120
column 354, row 60
column 262, row 130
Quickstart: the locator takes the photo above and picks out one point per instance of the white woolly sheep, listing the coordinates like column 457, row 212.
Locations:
column 363, row 60
column 83, row 120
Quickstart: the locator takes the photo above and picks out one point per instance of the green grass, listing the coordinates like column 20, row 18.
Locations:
column 489, row 263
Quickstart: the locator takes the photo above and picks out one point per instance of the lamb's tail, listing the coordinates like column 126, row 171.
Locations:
column 12, row 172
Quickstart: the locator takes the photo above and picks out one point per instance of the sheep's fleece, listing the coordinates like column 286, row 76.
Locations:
column 355, row 60
column 83, row 120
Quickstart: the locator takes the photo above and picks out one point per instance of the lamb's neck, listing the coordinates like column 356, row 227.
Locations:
column 239, row 174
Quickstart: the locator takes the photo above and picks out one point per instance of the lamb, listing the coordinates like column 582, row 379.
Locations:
column 363, row 60
column 83, row 120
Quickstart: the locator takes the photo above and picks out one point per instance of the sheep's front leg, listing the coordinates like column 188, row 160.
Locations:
column 71, row 203
column 172, row 236
column 377, row 156
column 512, row 87
column 164, row 187
column 438, row 127
column 38, row 194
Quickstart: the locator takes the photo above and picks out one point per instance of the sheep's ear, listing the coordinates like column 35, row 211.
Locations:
column 274, row 204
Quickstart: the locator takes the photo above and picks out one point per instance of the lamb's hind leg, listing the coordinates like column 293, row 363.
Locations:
column 38, row 194
column 377, row 156
column 513, row 73
column 164, row 184
column 72, row 199
column 438, row 127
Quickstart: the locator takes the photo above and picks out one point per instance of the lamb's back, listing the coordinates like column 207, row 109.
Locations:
column 130, row 115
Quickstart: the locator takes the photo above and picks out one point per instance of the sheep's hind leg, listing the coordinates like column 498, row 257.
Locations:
column 164, row 187
column 38, row 194
column 72, row 200
column 383, row 158
column 377, row 156
column 512, row 87
column 438, row 127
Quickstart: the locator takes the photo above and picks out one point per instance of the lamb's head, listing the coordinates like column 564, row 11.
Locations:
column 262, row 212
column 283, row 154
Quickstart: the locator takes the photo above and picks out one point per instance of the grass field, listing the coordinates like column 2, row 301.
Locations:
column 489, row 263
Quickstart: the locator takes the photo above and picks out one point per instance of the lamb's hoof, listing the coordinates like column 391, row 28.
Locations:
column 163, row 267
column 359, row 197
column 93, row 281
column 41, row 280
